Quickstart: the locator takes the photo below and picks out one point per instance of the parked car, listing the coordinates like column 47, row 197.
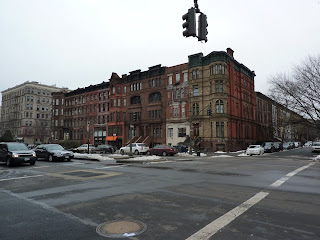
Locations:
column 255, row 150
column 278, row 146
column 104, row 148
column 137, row 148
column 308, row 144
column 53, row 152
column 84, row 148
column 13, row 153
column 269, row 147
column 163, row 150
column 315, row 147
column 297, row 144
column 287, row 145
column 181, row 147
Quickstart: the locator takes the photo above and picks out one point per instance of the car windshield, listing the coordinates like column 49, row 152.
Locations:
column 316, row 144
column 268, row 144
column 17, row 147
column 254, row 146
column 55, row 147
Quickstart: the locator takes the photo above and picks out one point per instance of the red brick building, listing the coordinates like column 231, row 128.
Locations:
column 223, row 102
column 139, row 101
column 81, row 114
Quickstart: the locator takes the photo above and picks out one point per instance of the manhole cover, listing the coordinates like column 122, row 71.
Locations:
column 121, row 228
column 83, row 174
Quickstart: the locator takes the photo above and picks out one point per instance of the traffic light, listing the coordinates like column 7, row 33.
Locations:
column 202, row 28
column 190, row 23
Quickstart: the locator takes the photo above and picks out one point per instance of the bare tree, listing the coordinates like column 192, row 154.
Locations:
column 300, row 91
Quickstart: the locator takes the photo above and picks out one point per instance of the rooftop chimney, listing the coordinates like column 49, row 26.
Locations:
column 230, row 52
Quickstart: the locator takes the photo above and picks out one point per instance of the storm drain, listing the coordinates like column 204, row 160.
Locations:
column 121, row 228
column 83, row 174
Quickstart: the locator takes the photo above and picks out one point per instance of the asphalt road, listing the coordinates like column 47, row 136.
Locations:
column 274, row 196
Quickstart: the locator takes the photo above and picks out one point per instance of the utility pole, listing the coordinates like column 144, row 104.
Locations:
column 130, row 133
column 191, row 130
column 88, row 131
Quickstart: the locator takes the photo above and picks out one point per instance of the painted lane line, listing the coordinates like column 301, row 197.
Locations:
column 120, row 166
column 213, row 227
column 17, row 178
column 209, row 230
column 289, row 175
column 40, row 167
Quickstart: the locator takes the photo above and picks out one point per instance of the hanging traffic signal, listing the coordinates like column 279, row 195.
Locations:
column 202, row 28
column 190, row 23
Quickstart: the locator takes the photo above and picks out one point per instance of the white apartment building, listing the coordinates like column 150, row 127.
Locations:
column 26, row 111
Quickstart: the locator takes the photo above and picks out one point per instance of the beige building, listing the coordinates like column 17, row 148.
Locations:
column 26, row 111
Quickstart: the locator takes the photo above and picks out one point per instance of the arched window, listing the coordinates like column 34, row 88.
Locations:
column 135, row 100
column 155, row 97
column 195, row 109
column 219, row 106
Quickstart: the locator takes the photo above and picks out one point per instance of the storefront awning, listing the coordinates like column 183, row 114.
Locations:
column 111, row 138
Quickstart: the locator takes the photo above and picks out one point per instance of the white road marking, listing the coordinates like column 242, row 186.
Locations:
column 17, row 178
column 119, row 166
column 213, row 227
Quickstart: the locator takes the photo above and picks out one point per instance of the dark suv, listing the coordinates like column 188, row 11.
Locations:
column 12, row 153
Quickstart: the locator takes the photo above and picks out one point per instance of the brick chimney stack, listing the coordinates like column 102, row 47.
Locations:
column 230, row 52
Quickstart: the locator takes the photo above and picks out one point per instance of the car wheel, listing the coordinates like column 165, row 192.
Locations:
column 121, row 152
column 32, row 163
column 148, row 153
column 50, row 158
column 164, row 154
column 136, row 152
column 8, row 162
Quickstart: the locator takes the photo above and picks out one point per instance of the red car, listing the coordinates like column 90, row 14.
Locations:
column 163, row 150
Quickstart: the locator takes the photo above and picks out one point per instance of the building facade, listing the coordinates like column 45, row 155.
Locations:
column 27, row 110
column 223, row 102
column 81, row 114
column 177, row 108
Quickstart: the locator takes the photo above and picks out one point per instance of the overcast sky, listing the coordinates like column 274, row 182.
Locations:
column 75, row 43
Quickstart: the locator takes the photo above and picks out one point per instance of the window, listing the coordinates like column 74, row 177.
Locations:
column 219, row 86
column 170, row 80
column 219, row 106
column 195, row 90
column 193, row 74
column 183, row 111
column 135, row 100
column 124, row 102
column 119, row 102
column 219, row 129
column 181, row 132
column 113, row 90
column 209, row 110
column 198, row 74
column 177, row 77
column 170, row 132
column 119, row 89
column 155, row 97
column 211, row 70
column 57, row 101
column 176, row 112
column 195, row 109
column 57, row 112
column 185, row 77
